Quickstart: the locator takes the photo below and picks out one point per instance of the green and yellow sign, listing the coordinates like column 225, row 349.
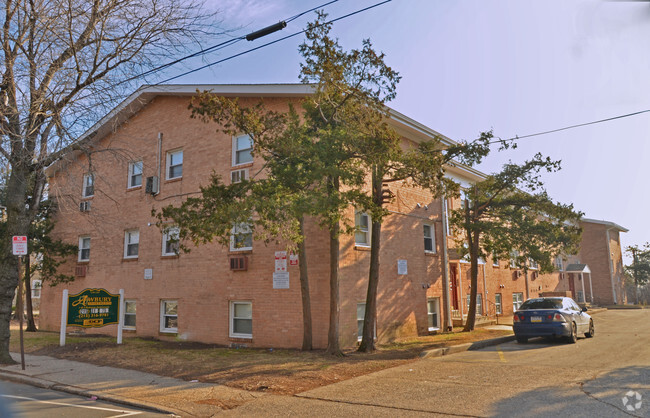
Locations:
column 92, row 308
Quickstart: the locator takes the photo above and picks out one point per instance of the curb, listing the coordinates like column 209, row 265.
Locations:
column 476, row 345
column 73, row 390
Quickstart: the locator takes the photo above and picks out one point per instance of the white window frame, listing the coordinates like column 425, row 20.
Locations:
column 232, row 332
column 134, row 314
column 360, row 231
column 498, row 303
column 169, row 233
column 128, row 236
column 436, row 325
column 82, row 248
column 132, row 174
column 513, row 259
column 432, row 237
column 559, row 263
column 235, row 150
column 88, row 182
column 243, row 229
column 495, row 260
column 164, row 314
column 168, row 165
column 479, row 303
column 519, row 300
column 360, row 322
column 37, row 285
column 533, row 264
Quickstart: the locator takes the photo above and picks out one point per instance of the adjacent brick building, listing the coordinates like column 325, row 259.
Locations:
column 149, row 153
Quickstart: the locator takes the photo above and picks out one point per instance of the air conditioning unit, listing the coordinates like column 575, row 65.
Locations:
column 535, row 275
column 81, row 270
column 239, row 263
column 516, row 274
column 238, row 176
column 84, row 206
column 152, row 185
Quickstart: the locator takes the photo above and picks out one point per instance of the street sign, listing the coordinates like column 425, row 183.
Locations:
column 293, row 259
column 19, row 245
column 92, row 308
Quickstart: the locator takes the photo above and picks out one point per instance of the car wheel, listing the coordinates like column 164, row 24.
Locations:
column 590, row 334
column 574, row 333
column 522, row 340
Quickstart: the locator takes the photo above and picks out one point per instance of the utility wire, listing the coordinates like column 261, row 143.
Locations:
column 269, row 43
column 207, row 50
column 572, row 126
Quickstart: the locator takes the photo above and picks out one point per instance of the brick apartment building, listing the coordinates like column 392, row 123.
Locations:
column 149, row 153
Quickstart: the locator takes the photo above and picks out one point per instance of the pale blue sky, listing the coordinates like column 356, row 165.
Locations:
column 514, row 66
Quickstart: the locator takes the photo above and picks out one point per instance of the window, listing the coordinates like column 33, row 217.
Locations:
column 559, row 263
column 135, row 174
column 36, row 289
column 429, row 238
column 168, row 316
column 88, row 186
column 533, row 264
column 241, row 238
column 131, row 242
column 84, row 248
column 513, row 259
column 361, row 314
column 174, row 164
column 129, row 314
column 479, row 303
column 170, row 241
column 517, row 300
column 241, row 150
column 241, row 319
column 362, row 223
column 497, row 303
column 433, row 309
column 580, row 296
column 495, row 260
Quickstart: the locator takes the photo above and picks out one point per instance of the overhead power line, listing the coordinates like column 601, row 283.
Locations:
column 627, row 115
column 269, row 43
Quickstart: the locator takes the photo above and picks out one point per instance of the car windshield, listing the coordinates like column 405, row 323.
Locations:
column 541, row 304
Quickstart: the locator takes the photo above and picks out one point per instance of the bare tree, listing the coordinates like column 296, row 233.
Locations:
column 64, row 63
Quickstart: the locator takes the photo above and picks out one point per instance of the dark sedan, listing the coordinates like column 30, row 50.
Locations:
column 552, row 317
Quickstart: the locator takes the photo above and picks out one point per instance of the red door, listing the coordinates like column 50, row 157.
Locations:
column 453, row 286
column 572, row 286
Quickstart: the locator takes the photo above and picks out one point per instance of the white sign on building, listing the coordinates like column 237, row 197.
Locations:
column 402, row 268
column 281, row 280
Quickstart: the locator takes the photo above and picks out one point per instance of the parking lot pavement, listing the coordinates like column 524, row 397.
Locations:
column 539, row 379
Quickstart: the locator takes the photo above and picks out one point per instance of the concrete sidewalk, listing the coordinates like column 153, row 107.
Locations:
column 127, row 387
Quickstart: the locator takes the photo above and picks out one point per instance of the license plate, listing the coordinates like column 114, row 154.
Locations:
column 535, row 319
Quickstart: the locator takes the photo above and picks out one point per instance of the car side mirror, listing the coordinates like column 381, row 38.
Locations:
column 584, row 309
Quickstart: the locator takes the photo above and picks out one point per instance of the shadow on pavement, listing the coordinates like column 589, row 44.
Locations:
column 621, row 393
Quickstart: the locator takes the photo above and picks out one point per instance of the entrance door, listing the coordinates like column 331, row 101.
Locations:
column 572, row 286
column 453, row 273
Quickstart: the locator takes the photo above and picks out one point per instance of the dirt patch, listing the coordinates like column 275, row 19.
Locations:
column 267, row 370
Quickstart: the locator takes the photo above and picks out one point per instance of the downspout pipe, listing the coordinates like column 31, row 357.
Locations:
column 446, row 302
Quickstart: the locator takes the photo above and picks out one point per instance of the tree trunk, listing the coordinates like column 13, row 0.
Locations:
column 370, row 316
column 471, row 314
column 333, row 346
column 31, row 324
column 526, row 283
column 304, row 290
column 17, row 224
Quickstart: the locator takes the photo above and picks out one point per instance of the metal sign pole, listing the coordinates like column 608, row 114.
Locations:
column 64, row 317
column 21, row 312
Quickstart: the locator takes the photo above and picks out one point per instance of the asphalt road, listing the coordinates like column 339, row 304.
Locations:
column 18, row 400
column 605, row 376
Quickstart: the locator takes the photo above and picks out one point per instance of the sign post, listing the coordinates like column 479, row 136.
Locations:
column 19, row 248
column 91, row 308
